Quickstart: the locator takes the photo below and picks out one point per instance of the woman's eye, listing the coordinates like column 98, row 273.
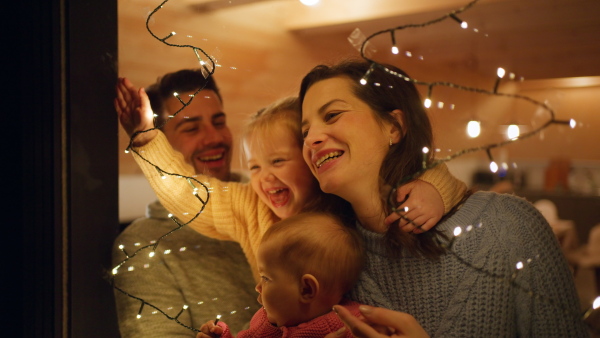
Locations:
column 330, row 116
column 264, row 279
column 253, row 167
column 278, row 160
column 304, row 134
column 191, row 130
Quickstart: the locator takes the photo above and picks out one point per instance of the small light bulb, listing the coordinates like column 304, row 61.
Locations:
column 139, row 316
column 493, row 167
column 464, row 25
column 473, row 128
column 500, row 72
column 151, row 254
column 425, row 150
column 309, row 2
column 457, row 231
column 572, row 123
column 596, row 303
column 427, row 103
column 513, row 132
column 519, row 265
column 363, row 81
column 395, row 50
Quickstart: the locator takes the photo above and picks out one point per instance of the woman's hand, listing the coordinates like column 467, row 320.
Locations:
column 377, row 323
column 135, row 113
column 420, row 207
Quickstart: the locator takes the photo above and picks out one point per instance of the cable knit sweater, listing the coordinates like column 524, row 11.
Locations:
column 315, row 328
column 234, row 211
column 450, row 299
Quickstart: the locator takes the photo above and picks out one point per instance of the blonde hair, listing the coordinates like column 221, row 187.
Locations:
column 285, row 111
column 322, row 245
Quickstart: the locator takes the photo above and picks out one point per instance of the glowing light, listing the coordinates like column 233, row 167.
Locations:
column 440, row 105
column 138, row 316
column 121, row 246
column 513, row 132
column 500, row 72
column 114, row 271
column 425, row 150
column 151, row 254
column 572, row 123
column 457, row 231
column 596, row 303
column 473, row 128
column 309, row 2
column 395, row 50
column 493, row 167
column 519, row 265
column 363, row 81
column 464, row 25
column 427, row 103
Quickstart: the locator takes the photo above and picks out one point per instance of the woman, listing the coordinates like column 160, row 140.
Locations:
column 361, row 139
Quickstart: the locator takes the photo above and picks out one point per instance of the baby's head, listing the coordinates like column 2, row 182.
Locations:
column 307, row 263
column 272, row 149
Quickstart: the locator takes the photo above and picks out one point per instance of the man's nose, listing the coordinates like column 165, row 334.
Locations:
column 210, row 135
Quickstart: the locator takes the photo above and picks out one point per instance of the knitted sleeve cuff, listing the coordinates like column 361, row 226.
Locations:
column 450, row 188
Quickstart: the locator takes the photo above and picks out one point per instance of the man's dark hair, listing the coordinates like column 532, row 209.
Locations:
column 185, row 80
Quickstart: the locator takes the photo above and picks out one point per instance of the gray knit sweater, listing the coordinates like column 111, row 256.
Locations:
column 450, row 299
column 210, row 276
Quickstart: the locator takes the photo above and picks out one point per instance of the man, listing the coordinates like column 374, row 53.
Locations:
column 209, row 276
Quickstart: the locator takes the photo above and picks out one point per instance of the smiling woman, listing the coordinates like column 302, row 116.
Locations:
column 449, row 286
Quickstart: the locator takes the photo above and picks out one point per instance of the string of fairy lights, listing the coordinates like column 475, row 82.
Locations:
column 208, row 69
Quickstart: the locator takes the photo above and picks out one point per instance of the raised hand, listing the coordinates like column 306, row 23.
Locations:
column 134, row 110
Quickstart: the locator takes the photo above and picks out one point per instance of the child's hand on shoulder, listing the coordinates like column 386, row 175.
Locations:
column 420, row 207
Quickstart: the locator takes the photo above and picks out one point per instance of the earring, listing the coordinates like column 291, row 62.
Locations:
column 391, row 143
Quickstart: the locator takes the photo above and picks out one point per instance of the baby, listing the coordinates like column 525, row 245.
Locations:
column 307, row 263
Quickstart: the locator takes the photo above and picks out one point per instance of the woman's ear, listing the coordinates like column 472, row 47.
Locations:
column 309, row 288
column 397, row 133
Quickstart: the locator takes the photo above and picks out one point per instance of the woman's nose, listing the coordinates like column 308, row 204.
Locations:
column 313, row 138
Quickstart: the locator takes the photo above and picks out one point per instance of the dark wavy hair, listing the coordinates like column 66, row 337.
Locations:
column 185, row 80
column 383, row 93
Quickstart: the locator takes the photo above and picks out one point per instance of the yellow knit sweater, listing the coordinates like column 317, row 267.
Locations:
column 234, row 212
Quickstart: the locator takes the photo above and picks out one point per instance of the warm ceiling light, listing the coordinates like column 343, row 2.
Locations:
column 309, row 2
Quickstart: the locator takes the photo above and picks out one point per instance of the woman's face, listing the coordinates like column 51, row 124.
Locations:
column 278, row 173
column 344, row 145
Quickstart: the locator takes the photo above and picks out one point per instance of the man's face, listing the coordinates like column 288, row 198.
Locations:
column 200, row 133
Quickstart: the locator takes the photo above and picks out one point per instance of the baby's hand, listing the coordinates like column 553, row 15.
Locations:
column 420, row 207
column 210, row 330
